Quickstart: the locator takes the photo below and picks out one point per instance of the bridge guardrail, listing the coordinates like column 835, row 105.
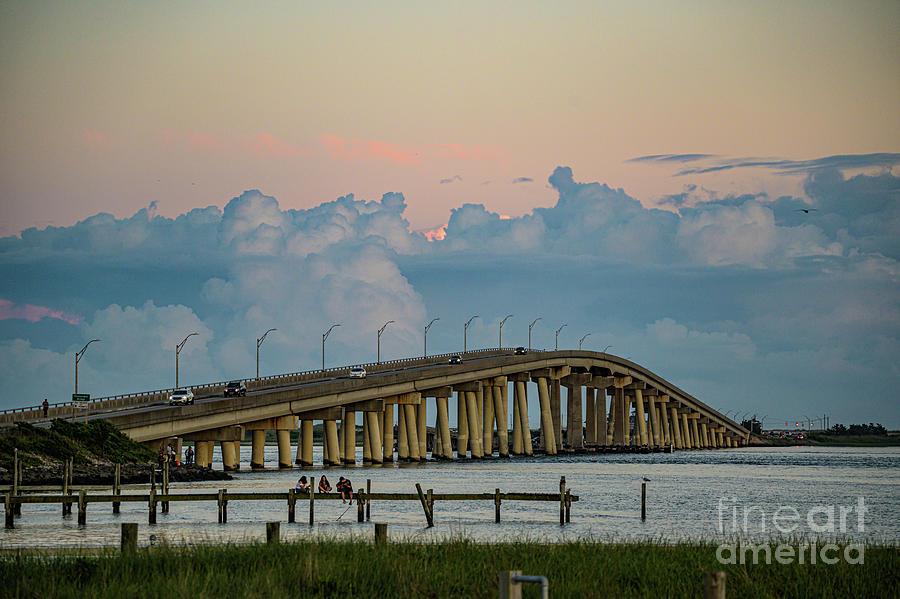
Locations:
column 64, row 408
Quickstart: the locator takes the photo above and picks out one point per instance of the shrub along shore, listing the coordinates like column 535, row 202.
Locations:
column 454, row 568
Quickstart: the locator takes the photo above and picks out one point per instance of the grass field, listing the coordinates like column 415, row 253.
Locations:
column 456, row 568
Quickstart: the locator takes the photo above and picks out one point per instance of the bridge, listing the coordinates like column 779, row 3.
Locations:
column 645, row 412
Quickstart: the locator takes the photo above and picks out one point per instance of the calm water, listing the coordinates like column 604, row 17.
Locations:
column 699, row 494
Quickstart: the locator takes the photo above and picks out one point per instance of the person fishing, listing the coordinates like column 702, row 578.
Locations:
column 345, row 488
column 324, row 485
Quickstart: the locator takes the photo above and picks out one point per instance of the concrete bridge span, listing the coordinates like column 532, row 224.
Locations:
column 644, row 411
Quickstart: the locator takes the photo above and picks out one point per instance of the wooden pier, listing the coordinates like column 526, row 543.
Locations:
column 364, row 497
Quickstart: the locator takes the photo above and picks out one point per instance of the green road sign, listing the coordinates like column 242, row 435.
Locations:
column 81, row 396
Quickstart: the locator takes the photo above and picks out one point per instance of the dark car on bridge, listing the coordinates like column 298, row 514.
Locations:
column 235, row 388
column 455, row 360
column 521, row 351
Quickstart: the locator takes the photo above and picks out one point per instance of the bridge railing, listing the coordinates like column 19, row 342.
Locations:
column 65, row 408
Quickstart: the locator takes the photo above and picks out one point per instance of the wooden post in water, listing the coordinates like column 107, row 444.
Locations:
column 273, row 532
column 129, row 536
column 8, row 508
column 65, row 485
column 292, row 504
column 312, row 499
column 82, row 507
column 152, row 515
column 117, row 490
column 380, row 533
column 360, row 505
column 714, row 585
column 496, row 505
column 643, row 500
column 165, row 483
column 429, row 494
column 562, row 500
column 429, row 518
column 223, row 506
column 368, row 501
column 16, row 477
column 568, row 505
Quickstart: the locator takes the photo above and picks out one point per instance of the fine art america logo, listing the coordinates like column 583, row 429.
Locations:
column 744, row 521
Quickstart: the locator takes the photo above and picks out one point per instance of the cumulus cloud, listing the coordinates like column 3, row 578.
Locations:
column 709, row 296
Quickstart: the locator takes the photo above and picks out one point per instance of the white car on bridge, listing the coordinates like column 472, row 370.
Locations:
column 181, row 397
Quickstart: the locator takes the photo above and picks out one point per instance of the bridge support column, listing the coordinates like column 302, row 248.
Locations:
column 590, row 416
column 442, row 428
column 348, row 432
column 556, row 411
column 687, row 438
column 720, row 438
column 387, row 433
column 619, row 413
column 676, row 429
column 412, row 431
column 367, row 446
column 547, row 429
column 640, row 418
column 402, row 435
column 611, row 423
column 487, row 418
column 474, row 424
column 501, row 409
column 462, row 419
column 283, row 436
column 704, row 435
column 373, row 436
column 518, row 443
column 201, row 453
column 521, row 389
column 574, row 427
column 668, row 437
column 305, row 446
column 695, row 434
column 229, row 458
column 333, row 456
column 257, row 451
column 654, row 421
column 422, row 428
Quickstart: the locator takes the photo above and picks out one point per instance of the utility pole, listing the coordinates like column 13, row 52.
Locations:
column 529, row 330
column 556, row 342
column 508, row 316
column 78, row 359
column 428, row 326
column 178, row 349
column 324, row 337
column 380, row 331
column 259, row 341
column 465, row 331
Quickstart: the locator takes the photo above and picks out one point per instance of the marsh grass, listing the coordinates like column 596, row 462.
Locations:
column 454, row 568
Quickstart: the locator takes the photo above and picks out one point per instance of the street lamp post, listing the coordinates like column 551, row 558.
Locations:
column 258, row 343
column 606, row 348
column 324, row 337
column 465, row 331
column 580, row 341
column 428, row 326
column 529, row 330
column 508, row 316
column 78, row 359
column 380, row 331
column 556, row 341
column 178, row 351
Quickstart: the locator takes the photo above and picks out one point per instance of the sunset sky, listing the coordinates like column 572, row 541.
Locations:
column 636, row 170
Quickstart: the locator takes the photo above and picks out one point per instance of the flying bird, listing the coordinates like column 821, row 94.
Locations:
column 806, row 210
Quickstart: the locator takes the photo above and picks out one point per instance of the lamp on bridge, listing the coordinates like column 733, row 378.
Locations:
column 508, row 316
column 556, row 341
column 465, row 330
column 428, row 326
column 533, row 322
column 380, row 331
column 258, row 343
column 324, row 337
column 178, row 351
column 580, row 341
column 78, row 359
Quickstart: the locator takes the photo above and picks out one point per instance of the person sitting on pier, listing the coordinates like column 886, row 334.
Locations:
column 345, row 489
column 302, row 485
column 324, row 485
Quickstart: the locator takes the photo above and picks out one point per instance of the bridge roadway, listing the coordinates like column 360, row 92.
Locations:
column 644, row 411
